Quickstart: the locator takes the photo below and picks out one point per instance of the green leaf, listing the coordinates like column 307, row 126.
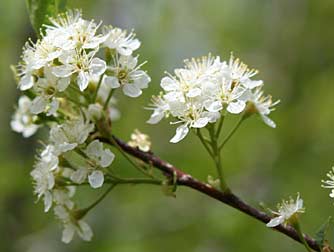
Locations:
column 41, row 10
column 322, row 232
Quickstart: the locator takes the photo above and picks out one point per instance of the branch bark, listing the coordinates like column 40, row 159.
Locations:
column 227, row 198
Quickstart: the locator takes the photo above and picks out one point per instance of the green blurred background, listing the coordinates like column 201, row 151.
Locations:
column 291, row 42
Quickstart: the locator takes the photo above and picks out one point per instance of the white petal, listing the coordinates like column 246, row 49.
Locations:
column 168, row 84
column 252, row 83
column 47, row 201
column 85, row 232
column 79, row 176
column 131, row 90
column 143, row 80
column 200, row 123
column 97, row 66
column 68, row 233
column 275, row 222
column 213, row 106
column 94, row 149
column 26, row 82
column 181, row 132
column 30, row 130
column 63, row 84
column 268, row 121
column 194, row 92
column 124, row 51
column 83, row 80
column 54, row 105
column 111, row 81
column 17, row 126
column 236, row 107
column 96, row 179
column 62, row 71
column 107, row 158
column 332, row 194
column 38, row 105
column 156, row 117
column 134, row 44
column 128, row 61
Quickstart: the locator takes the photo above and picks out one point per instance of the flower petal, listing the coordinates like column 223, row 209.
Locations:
column 38, row 105
column 275, row 221
column 131, row 90
column 83, row 80
column 181, row 132
column 96, row 179
column 107, row 157
column 26, row 82
column 236, row 107
column 97, row 66
column 111, row 81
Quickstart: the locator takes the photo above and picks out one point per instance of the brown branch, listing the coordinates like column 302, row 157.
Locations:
column 227, row 198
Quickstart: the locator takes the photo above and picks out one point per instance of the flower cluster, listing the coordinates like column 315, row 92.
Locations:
column 200, row 92
column 68, row 86
column 330, row 182
column 286, row 211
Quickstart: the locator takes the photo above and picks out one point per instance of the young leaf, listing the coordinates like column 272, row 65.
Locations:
column 41, row 10
column 321, row 233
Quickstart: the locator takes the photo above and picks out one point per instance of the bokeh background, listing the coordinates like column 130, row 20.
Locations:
column 291, row 42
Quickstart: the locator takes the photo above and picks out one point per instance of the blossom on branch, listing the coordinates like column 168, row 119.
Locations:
column 199, row 93
column 287, row 210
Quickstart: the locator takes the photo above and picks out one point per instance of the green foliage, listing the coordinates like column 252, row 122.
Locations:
column 41, row 10
column 320, row 236
column 290, row 41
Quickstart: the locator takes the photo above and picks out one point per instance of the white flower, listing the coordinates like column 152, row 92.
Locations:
column 102, row 157
column 72, row 225
column 26, row 68
column 43, row 175
column 140, row 140
column 82, row 64
column 239, row 72
column 286, row 211
column 330, row 182
column 23, row 119
column 46, row 89
column 126, row 74
column 98, row 158
column 63, row 195
column 263, row 105
column 69, row 135
column 119, row 40
column 70, row 31
column 199, row 92
column 160, row 108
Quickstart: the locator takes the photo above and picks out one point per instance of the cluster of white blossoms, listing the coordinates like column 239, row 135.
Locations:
column 68, row 86
column 200, row 92
column 286, row 211
column 329, row 183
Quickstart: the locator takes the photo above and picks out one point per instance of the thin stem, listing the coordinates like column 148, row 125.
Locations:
column 217, row 159
column 108, row 99
column 220, row 126
column 203, row 141
column 231, row 133
column 84, row 211
column 97, row 88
